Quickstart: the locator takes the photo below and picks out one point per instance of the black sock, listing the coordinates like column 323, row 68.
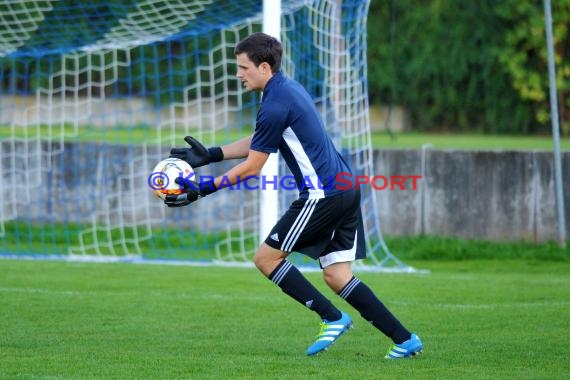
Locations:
column 293, row 283
column 359, row 296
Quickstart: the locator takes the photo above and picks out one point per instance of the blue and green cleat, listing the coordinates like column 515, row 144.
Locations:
column 407, row 349
column 330, row 332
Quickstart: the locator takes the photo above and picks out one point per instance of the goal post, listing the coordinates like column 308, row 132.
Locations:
column 94, row 94
column 269, row 197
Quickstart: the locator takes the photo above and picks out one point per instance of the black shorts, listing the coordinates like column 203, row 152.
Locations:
column 328, row 229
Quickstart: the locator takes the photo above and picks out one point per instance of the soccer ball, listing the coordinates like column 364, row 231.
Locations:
column 162, row 179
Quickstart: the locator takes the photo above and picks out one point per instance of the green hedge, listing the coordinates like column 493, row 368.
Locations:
column 469, row 66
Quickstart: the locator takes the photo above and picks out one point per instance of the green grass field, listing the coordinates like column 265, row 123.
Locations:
column 415, row 140
column 486, row 310
column 494, row 319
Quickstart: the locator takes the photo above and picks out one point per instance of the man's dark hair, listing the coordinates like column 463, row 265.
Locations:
column 259, row 48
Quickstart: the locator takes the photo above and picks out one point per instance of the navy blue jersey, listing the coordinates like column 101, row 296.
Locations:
column 288, row 121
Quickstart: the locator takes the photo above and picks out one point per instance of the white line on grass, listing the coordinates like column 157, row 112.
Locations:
column 47, row 291
column 222, row 296
column 486, row 305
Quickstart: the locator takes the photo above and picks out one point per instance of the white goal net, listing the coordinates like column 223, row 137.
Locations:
column 94, row 94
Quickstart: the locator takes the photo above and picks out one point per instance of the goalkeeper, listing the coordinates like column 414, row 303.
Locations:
column 324, row 223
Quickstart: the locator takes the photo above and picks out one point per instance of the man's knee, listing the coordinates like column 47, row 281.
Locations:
column 266, row 259
column 337, row 275
column 333, row 280
column 260, row 260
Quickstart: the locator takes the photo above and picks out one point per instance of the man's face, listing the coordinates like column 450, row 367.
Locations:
column 252, row 77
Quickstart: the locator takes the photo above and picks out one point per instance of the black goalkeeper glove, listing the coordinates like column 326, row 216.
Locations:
column 191, row 192
column 197, row 155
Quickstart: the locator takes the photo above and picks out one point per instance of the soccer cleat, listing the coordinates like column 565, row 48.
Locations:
column 407, row 349
column 330, row 332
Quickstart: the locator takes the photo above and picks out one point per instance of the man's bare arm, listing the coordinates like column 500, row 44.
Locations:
column 237, row 149
column 250, row 167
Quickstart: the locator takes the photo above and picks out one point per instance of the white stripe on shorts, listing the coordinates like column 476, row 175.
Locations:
column 299, row 225
column 340, row 256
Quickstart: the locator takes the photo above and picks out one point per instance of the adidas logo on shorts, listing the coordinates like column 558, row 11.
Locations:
column 275, row 237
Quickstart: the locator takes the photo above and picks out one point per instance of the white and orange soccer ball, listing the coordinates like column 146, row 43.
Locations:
column 162, row 179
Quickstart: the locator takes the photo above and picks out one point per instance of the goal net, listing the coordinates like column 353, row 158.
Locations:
column 94, row 94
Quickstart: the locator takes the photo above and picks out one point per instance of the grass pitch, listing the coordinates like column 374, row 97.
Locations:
column 479, row 320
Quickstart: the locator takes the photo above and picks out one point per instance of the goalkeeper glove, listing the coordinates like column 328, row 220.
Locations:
column 197, row 155
column 191, row 192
